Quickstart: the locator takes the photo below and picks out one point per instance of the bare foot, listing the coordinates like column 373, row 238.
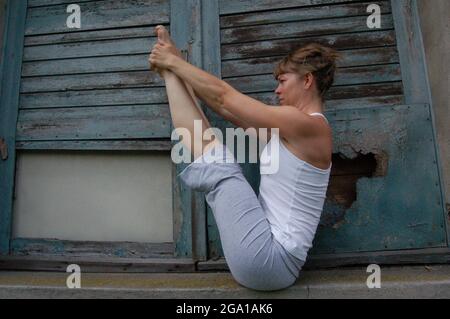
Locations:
column 163, row 35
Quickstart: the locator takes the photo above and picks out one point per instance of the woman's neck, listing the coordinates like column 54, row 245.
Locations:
column 311, row 105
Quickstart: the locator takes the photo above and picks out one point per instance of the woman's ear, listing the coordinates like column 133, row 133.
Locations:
column 309, row 79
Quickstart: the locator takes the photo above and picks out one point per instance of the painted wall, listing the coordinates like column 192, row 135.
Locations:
column 94, row 196
column 436, row 30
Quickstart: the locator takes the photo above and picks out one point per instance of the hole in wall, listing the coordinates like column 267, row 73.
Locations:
column 345, row 174
column 342, row 190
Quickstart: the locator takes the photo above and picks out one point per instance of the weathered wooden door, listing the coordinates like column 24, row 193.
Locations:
column 89, row 89
column 385, row 191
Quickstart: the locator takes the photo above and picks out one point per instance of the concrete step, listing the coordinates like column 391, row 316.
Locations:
column 396, row 282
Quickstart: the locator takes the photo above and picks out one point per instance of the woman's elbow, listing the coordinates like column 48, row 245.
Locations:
column 225, row 98
column 217, row 99
column 220, row 99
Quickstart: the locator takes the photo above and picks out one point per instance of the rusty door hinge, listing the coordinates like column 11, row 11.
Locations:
column 3, row 149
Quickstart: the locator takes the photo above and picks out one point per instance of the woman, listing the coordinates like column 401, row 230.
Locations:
column 265, row 239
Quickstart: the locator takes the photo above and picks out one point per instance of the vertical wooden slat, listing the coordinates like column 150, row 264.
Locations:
column 190, row 236
column 212, row 64
column 416, row 85
column 195, row 55
column 411, row 52
column 9, row 105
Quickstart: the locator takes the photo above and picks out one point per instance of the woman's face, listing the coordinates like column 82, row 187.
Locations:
column 291, row 88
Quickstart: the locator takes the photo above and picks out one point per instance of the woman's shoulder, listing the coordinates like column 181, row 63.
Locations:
column 315, row 149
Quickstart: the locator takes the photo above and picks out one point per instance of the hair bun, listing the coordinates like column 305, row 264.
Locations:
column 320, row 60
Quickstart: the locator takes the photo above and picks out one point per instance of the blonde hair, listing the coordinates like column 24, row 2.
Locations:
column 312, row 58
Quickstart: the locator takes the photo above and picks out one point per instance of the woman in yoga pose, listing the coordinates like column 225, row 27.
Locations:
column 265, row 239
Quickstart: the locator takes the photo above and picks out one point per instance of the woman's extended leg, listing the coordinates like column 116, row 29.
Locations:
column 184, row 112
column 184, row 107
column 163, row 35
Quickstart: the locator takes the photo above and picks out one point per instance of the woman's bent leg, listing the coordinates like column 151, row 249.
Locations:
column 254, row 257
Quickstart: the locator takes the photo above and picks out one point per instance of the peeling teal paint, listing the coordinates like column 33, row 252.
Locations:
column 9, row 107
column 387, row 206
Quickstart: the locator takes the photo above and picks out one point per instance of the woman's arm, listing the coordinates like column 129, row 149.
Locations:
column 223, row 98
column 225, row 114
column 206, row 86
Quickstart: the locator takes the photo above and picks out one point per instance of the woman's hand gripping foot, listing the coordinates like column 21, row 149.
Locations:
column 162, row 51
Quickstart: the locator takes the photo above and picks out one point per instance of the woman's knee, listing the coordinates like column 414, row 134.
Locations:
column 263, row 283
column 261, row 279
column 204, row 177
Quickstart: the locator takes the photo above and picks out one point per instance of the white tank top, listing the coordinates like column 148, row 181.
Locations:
column 292, row 197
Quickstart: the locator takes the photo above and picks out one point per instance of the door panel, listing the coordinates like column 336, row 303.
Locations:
column 385, row 186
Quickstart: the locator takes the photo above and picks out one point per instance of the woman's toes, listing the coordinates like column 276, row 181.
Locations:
column 163, row 34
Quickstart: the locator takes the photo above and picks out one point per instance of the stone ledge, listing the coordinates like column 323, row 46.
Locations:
column 396, row 282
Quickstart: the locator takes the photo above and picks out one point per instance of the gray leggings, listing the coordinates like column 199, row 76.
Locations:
column 256, row 260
